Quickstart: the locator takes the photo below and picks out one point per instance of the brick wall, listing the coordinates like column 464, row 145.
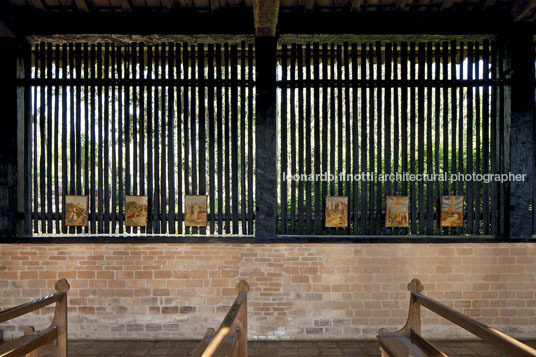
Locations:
column 299, row 291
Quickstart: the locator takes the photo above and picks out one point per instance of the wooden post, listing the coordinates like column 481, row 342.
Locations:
column 265, row 140
column 8, row 137
column 520, row 55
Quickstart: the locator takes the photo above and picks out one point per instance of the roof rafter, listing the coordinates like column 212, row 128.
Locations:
column 266, row 14
column 522, row 9
column 82, row 5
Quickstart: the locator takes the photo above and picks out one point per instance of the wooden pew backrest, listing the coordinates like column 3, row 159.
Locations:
column 231, row 338
column 52, row 340
column 412, row 328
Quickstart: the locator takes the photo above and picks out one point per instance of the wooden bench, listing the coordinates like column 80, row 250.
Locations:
column 408, row 341
column 50, row 341
column 231, row 339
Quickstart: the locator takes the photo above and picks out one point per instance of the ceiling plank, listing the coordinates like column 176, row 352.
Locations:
column 266, row 14
column 489, row 3
column 522, row 9
column 356, row 4
column 38, row 4
column 446, row 4
column 81, row 5
column 401, row 4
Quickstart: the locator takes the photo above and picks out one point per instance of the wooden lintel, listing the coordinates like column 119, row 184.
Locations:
column 81, row 5
column 522, row 9
column 266, row 13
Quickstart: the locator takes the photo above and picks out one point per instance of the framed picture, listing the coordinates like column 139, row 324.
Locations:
column 396, row 212
column 135, row 211
column 451, row 211
column 76, row 210
column 336, row 211
column 195, row 210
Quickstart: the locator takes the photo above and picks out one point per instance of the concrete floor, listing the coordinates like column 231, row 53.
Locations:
column 270, row 349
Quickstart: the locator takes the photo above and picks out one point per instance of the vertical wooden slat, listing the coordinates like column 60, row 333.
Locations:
column 106, row 181
column 437, row 136
column 156, row 143
column 113, row 218
column 150, row 108
column 135, row 119
column 35, row 206
column 404, row 119
column 444, row 104
column 292, row 140
column 495, row 198
column 42, row 123
column 284, row 139
column 469, row 126
column 503, row 166
column 57, row 136
column 325, row 127
column 78, row 127
column 92, row 196
column 186, row 131
column 372, row 143
column 348, row 137
column 140, row 63
column 163, row 151
column 453, row 111
column 387, row 121
column 120, row 130
column 412, row 135
column 364, row 185
column 429, row 143
column 301, row 208
column 171, row 137
column 127, row 124
column 100, row 102
column 251, row 139
column 211, row 139
column 486, row 139
column 421, row 119
column 355, row 139
column 179, row 91
column 338, row 89
column 234, row 138
column 243, row 174
column 228, row 153
column 28, row 138
column 219, row 122
column 461, row 124
column 308, row 148
column 49, row 153
column 379, row 166
column 87, row 113
column 72, row 126
column 202, row 125
column 317, row 144
column 396, row 125
column 478, row 149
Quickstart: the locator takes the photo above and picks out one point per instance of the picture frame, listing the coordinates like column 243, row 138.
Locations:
column 76, row 210
column 136, row 211
column 336, row 212
column 396, row 211
column 452, row 211
column 195, row 210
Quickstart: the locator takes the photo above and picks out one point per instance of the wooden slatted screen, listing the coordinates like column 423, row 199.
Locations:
column 163, row 120
column 391, row 107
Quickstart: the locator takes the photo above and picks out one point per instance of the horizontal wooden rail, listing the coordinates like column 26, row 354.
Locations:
column 497, row 338
column 20, row 310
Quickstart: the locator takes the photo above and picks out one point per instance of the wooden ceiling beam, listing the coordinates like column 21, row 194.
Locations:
column 38, row 4
column 82, row 5
column 266, row 13
column 489, row 3
column 309, row 5
column 214, row 5
column 401, row 4
column 356, row 4
column 446, row 4
column 522, row 9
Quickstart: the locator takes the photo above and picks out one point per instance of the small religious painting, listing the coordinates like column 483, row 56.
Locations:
column 135, row 211
column 195, row 210
column 451, row 211
column 336, row 211
column 396, row 212
column 76, row 210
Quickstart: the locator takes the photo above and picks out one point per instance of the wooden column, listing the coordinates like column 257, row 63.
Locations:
column 8, row 137
column 265, row 139
column 520, row 58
